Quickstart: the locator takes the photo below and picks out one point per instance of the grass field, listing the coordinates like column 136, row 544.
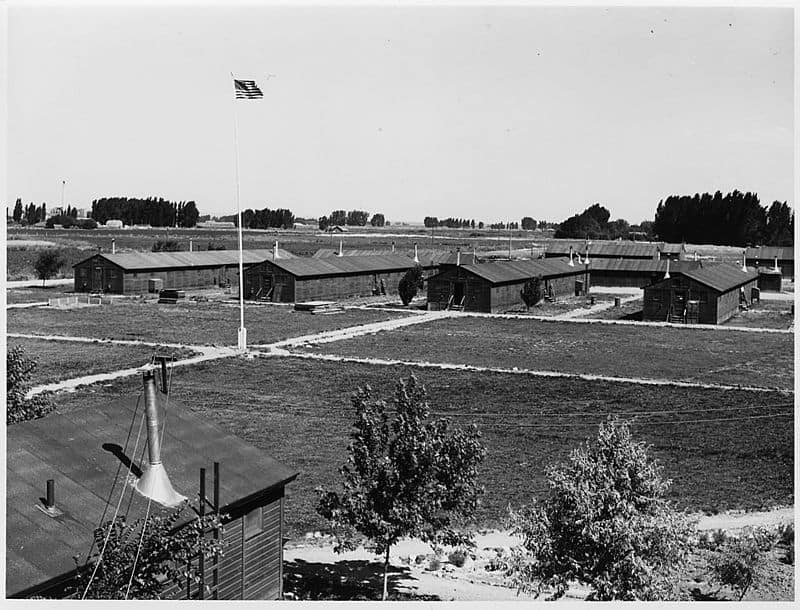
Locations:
column 37, row 294
column 186, row 323
column 709, row 356
column 767, row 314
column 59, row 360
column 299, row 412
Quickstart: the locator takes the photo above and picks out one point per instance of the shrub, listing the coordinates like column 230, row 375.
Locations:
column 434, row 564
column 458, row 557
column 606, row 524
column 167, row 245
column 532, row 292
column 47, row 264
column 740, row 561
column 409, row 284
column 216, row 245
column 19, row 369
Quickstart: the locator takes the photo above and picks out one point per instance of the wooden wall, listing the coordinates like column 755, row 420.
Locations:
column 714, row 307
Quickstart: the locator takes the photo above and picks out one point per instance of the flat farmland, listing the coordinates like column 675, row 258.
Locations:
column 707, row 356
column 723, row 449
column 188, row 322
column 767, row 314
column 58, row 360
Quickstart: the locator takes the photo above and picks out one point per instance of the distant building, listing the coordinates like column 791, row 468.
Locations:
column 495, row 286
column 215, row 224
column 113, row 224
column 632, row 273
column 709, row 294
column 560, row 248
column 83, row 452
column 764, row 256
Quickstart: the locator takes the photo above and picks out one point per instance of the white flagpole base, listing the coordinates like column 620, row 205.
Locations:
column 243, row 338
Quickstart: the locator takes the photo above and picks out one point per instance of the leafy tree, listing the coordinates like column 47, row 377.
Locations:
column 779, row 230
column 410, row 283
column 48, row 264
column 532, row 291
column 740, row 562
column 19, row 368
column 618, row 228
column 404, row 476
column 591, row 223
column 18, row 210
column 480, row 225
column 338, row 217
column 167, row 245
column 431, row 221
column 378, row 220
column 528, row 224
column 606, row 524
column 216, row 245
column 357, row 218
column 168, row 553
column 324, row 223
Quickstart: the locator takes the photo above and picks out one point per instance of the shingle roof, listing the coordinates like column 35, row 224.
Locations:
column 131, row 261
column 76, row 450
column 502, row 272
column 342, row 265
column 770, row 252
column 602, row 248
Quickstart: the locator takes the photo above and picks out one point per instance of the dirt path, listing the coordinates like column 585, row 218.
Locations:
column 280, row 352
column 587, row 312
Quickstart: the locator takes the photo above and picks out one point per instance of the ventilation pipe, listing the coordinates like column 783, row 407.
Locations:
column 416, row 256
column 578, row 254
column 658, row 255
column 392, row 247
column 190, row 245
column 776, row 268
column 275, row 250
column 458, row 257
column 695, row 255
column 340, row 248
column 154, row 482
column 475, row 256
column 586, row 260
column 571, row 264
column 50, row 498
column 744, row 261
column 113, row 246
column 666, row 275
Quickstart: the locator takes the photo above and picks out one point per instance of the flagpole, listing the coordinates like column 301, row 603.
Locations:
column 242, row 335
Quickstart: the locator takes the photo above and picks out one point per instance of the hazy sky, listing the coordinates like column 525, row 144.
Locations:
column 486, row 113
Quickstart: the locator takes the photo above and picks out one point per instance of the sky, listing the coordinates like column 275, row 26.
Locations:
column 491, row 113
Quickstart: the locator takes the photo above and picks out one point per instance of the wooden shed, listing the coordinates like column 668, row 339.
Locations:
column 769, row 279
column 327, row 278
column 85, row 450
column 766, row 256
column 495, row 286
column 709, row 294
column 129, row 272
column 633, row 273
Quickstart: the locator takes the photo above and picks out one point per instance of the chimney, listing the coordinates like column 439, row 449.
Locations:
column 658, row 255
column 666, row 275
column 571, row 264
column 776, row 268
column 275, row 250
column 416, row 257
column 50, row 500
column 113, row 246
column 744, row 261
column 474, row 255
column 458, row 257
column 154, row 482
column 586, row 260
column 392, row 247
column 578, row 254
column 190, row 245
column 340, row 248
column 695, row 255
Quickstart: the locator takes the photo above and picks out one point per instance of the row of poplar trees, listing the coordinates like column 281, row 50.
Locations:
column 153, row 211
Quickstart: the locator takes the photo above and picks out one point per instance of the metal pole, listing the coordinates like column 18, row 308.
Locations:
column 201, row 563
column 216, row 530
column 242, row 337
column 63, row 185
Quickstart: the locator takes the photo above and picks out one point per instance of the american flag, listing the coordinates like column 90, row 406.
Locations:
column 247, row 90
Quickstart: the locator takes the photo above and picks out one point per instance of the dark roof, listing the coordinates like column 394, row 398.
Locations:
column 427, row 257
column 639, row 266
column 69, row 448
column 722, row 277
column 131, row 261
column 771, row 252
column 671, row 248
column 602, row 248
column 503, row 272
column 342, row 265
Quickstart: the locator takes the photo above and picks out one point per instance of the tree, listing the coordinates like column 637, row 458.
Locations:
column 378, row 220
column 159, row 549
column 779, row 229
column 338, row 217
column 528, row 224
column 740, row 562
column 357, row 218
column 606, row 523
column 410, row 283
column 167, row 245
column 18, row 210
column 47, row 264
column 403, row 477
column 531, row 292
column 216, row 245
column 431, row 221
column 591, row 223
column 324, row 223
column 19, row 369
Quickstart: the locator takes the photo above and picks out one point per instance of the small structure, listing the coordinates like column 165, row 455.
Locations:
column 83, row 451
column 215, row 224
column 131, row 272
column 324, row 279
column 633, row 273
column 764, row 256
column 495, row 286
column 769, row 279
column 708, row 294
column 675, row 252
column 113, row 224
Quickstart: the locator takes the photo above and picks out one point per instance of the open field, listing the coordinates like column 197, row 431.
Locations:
column 767, row 314
column 721, row 448
column 37, row 294
column 59, row 360
column 186, row 323
column 707, row 356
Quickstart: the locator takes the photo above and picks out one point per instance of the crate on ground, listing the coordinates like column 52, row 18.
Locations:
column 155, row 284
column 171, row 293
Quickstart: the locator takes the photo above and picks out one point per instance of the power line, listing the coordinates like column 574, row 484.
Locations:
column 640, row 423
